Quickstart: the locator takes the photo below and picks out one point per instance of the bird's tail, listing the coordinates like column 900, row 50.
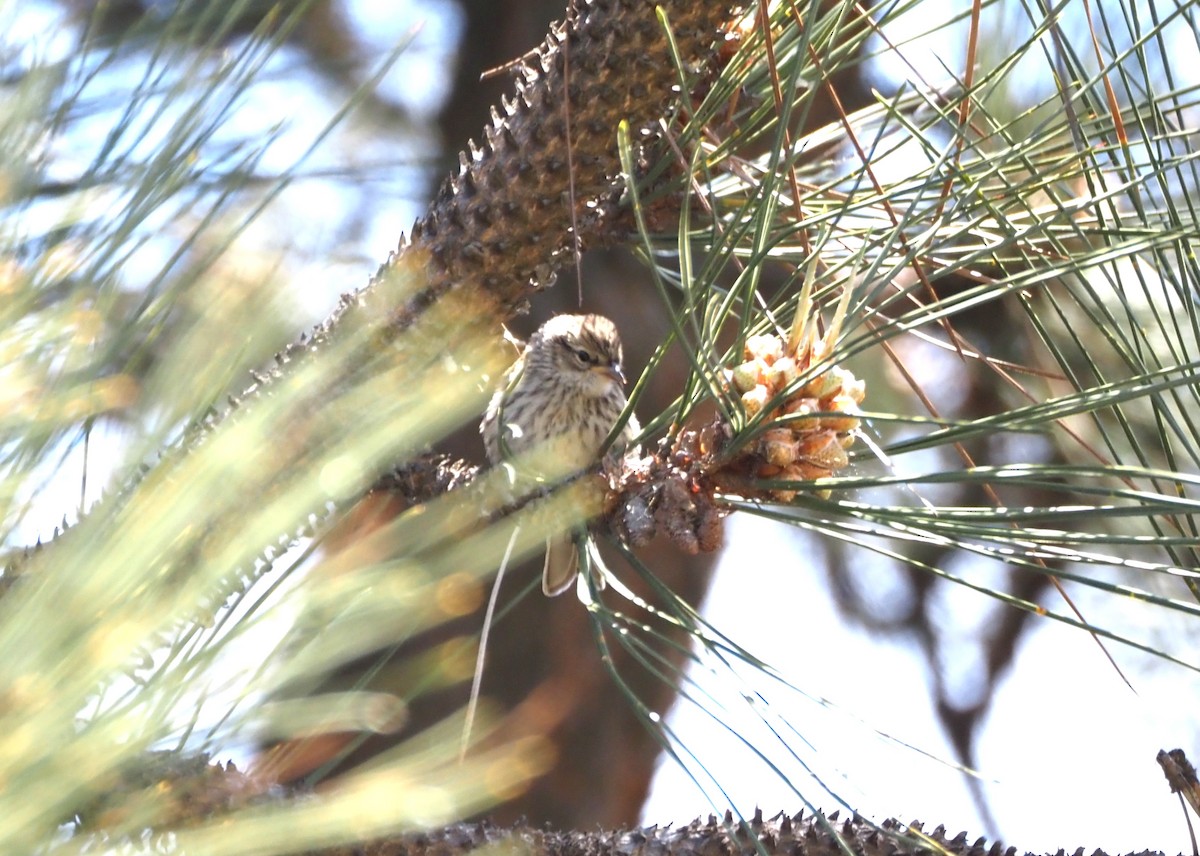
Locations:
column 562, row 564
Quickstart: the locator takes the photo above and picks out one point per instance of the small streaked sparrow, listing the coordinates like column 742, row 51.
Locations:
column 561, row 399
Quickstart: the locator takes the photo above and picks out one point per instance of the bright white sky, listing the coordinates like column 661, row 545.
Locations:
column 1067, row 753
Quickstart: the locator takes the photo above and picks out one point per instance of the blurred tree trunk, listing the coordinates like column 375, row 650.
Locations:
column 544, row 657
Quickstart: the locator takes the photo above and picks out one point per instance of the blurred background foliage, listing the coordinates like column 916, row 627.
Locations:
column 187, row 185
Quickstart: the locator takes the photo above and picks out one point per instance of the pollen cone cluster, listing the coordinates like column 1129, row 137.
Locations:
column 812, row 416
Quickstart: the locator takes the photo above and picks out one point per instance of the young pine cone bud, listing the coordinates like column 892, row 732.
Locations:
column 809, row 425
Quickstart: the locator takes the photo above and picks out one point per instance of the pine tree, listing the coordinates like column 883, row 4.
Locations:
column 935, row 330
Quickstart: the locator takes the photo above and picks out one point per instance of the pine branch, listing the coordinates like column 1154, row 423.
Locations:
column 192, row 788
column 498, row 230
column 797, row 835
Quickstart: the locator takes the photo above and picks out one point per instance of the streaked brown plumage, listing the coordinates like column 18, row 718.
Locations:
column 560, row 400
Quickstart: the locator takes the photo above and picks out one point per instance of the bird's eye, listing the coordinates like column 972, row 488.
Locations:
column 583, row 356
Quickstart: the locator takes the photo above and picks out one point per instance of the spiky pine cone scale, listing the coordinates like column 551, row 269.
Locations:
column 613, row 63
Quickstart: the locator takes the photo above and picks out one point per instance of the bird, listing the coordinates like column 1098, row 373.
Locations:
column 557, row 406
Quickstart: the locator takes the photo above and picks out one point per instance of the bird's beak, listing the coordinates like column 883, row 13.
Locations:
column 613, row 372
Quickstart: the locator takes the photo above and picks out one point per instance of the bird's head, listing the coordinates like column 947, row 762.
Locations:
column 584, row 351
